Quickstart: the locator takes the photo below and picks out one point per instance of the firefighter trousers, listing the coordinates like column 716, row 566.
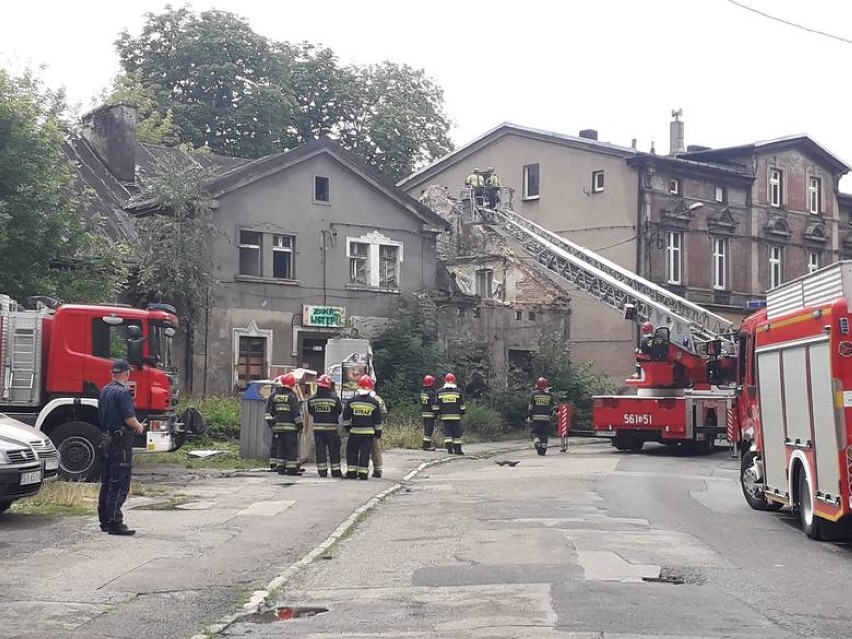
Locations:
column 428, row 431
column 358, row 450
column 328, row 450
column 540, row 434
column 288, row 451
column 452, row 435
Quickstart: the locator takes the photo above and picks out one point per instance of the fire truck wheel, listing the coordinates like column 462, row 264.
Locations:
column 811, row 524
column 77, row 443
column 752, row 488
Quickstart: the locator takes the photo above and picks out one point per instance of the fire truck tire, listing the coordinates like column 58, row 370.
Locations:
column 754, row 495
column 77, row 443
column 813, row 526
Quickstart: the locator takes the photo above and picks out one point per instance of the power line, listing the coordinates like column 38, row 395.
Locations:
column 789, row 23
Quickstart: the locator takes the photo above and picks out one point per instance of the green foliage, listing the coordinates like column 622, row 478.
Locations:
column 221, row 414
column 48, row 243
column 153, row 126
column 483, row 423
column 238, row 93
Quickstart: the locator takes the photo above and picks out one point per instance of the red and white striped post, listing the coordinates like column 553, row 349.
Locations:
column 563, row 424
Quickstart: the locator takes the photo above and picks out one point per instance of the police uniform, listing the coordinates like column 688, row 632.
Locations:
column 115, row 405
column 325, row 408
column 282, row 408
column 451, row 409
column 428, row 411
column 362, row 417
column 540, row 414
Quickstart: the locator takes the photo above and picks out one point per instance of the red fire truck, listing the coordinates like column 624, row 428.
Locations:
column 779, row 388
column 56, row 358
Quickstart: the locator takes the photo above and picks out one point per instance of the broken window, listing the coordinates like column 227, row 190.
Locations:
column 282, row 256
column 388, row 266
column 358, row 255
column 250, row 249
column 322, row 190
column 485, row 282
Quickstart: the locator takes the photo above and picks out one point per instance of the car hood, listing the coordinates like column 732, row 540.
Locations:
column 12, row 429
column 12, row 444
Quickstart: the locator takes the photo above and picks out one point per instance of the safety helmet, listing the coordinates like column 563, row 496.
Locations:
column 449, row 378
column 324, row 381
column 287, row 381
column 477, row 170
column 428, row 380
column 490, row 169
column 366, row 382
column 542, row 383
column 647, row 328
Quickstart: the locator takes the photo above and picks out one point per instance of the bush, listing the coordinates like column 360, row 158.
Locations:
column 482, row 423
column 222, row 415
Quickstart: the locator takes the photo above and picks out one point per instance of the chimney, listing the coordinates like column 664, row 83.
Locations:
column 589, row 134
column 111, row 132
column 676, row 133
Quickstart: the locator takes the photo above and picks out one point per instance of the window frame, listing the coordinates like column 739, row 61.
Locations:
column 245, row 246
column 814, row 195
column 598, row 181
column 721, row 266
column 774, row 191
column 814, row 261
column 720, row 194
column 488, row 275
column 365, row 258
column 674, row 257
column 776, row 266
column 375, row 269
column 316, row 199
column 527, row 195
column 674, row 186
column 384, row 281
column 291, row 250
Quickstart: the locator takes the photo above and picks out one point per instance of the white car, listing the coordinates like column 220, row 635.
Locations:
column 28, row 459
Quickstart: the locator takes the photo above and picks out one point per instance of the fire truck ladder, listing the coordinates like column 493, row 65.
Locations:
column 690, row 325
column 21, row 355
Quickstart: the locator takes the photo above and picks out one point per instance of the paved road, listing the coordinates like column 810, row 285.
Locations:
column 592, row 544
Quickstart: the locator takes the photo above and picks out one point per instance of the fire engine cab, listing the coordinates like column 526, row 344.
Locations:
column 56, row 358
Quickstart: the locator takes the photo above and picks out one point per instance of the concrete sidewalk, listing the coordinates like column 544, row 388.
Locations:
column 228, row 538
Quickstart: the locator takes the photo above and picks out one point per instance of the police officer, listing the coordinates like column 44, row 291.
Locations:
column 362, row 418
column 428, row 410
column 118, row 423
column 540, row 413
column 451, row 409
column 282, row 410
column 325, row 408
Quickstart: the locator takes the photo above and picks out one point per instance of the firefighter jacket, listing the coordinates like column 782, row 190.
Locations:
column 475, row 180
column 428, row 402
column 492, row 180
column 450, row 403
column 382, row 406
column 325, row 408
column 541, row 406
column 362, row 415
column 282, row 409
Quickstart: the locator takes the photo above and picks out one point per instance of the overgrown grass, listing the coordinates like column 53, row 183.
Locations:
column 404, row 427
column 221, row 413
column 62, row 498
column 230, row 459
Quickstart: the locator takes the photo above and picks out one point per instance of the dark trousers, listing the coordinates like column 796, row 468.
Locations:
column 274, row 461
column 358, row 450
column 478, row 193
column 116, row 464
column 540, row 433
column 328, row 449
column 428, row 431
column 288, row 450
column 492, row 194
column 452, row 435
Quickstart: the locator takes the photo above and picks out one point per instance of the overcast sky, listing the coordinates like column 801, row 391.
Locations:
column 618, row 66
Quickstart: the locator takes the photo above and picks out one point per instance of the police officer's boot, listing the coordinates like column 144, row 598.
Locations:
column 457, row 449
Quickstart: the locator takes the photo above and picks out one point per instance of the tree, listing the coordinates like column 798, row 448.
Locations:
column 238, row 93
column 48, row 244
column 175, row 262
column 153, row 126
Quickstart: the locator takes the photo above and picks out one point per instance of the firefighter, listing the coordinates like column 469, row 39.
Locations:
column 325, row 408
column 428, row 410
column 376, row 452
column 362, row 418
column 492, row 188
column 451, row 409
column 540, row 414
column 118, row 422
column 283, row 412
column 476, row 183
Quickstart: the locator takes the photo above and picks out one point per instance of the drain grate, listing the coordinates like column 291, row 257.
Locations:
column 285, row 613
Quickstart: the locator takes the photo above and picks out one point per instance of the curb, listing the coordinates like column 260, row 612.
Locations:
column 261, row 597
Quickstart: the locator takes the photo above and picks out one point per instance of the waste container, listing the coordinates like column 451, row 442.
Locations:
column 255, row 434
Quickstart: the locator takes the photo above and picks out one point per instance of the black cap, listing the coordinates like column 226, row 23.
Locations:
column 120, row 366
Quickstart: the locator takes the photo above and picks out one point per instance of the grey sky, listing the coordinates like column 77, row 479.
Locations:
column 618, row 66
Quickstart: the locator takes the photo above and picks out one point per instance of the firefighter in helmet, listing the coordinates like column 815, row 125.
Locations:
column 284, row 415
column 325, row 408
column 451, row 409
column 540, row 414
column 476, row 183
column 428, row 410
column 362, row 418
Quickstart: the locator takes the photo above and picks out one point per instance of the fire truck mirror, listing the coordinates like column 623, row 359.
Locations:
column 752, row 392
column 134, row 345
column 170, row 332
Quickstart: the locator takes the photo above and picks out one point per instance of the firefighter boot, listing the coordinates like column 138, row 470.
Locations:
column 323, row 473
column 363, row 476
column 336, row 472
column 457, row 449
column 351, row 474
column 542, row 449
column 377, row 473
column 427, row 444
column 450, row 447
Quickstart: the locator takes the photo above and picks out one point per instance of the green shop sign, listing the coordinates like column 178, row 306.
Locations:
column 329, row 316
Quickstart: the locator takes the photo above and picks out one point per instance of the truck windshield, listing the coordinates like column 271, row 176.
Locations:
column 162, row 354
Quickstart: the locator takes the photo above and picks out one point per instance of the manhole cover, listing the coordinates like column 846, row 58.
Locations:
column 285, row 613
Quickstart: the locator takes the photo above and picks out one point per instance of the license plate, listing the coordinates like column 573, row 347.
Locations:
column 605, row 433
column 51, row 464
column 32, row 477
